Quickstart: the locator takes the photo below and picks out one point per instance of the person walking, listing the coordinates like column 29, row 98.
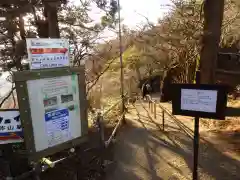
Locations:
column 146, row 89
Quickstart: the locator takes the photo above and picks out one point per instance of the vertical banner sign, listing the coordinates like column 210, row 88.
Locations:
column 10, row 127
column 48, row 53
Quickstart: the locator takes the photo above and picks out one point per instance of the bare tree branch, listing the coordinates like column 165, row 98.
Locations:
column 6, row 98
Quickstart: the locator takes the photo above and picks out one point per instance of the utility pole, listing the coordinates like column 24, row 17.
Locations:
column 121, row 59
column 213, row 17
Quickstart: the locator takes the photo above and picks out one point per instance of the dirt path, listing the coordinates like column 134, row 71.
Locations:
column 144, row 151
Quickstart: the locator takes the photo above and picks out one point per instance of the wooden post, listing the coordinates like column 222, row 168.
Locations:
column 155, row 110
column 51, row 10
column 163, row 118
column 152, row 103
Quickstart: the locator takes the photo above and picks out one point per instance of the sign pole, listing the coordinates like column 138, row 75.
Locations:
column 196, row 146
column 196, row 138
column 199, row 101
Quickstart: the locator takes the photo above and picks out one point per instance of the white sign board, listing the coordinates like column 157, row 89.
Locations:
column 55, row 110
column 48, row 53
column 199, row 100
column 10, row 127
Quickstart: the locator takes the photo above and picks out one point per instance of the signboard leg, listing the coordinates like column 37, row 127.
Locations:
column 196, row 147
column 196, row 138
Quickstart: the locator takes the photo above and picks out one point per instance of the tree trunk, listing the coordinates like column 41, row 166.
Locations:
column 21, row 27
column 52, row 18
column 213, row 16
column 165, row 86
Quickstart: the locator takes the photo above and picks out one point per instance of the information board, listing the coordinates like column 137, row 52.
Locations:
column 55, row 110
column 199, row 100
column 10, row 127
column 48, row 53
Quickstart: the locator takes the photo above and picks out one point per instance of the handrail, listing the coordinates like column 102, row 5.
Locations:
column 113, row 106
column 152, row 104
column 99, row 119
column 120, row 119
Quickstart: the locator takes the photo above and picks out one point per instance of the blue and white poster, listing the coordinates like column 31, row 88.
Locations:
column 10, row 127
column 57, row 127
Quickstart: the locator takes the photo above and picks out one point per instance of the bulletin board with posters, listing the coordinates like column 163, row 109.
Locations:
column 53, row 109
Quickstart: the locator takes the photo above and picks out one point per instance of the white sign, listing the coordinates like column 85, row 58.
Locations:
column 10, row 127
column 57, row 127
column 199, row 100
column 52, row 97
column 48, row 53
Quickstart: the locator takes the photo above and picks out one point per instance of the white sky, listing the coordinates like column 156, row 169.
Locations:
column 133, row 11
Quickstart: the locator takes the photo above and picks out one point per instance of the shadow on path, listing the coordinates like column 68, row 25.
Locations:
column 149, row 153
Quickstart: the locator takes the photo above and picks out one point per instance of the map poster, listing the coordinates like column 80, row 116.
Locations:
column 57, row 127
column 10, row 127
column 48, row 53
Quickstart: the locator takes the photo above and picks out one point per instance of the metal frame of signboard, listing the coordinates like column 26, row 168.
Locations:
column 21, row 79
column 220, row 104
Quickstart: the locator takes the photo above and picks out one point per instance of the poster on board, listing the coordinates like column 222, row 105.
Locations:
column 57, row 127
column 10, row 127
column 199, row 100
column 48, row 53
column 55, row 101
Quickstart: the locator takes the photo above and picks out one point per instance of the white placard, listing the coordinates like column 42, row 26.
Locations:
column 54, row 102
column 10, row 127
column 199, row 100
column 48, row 53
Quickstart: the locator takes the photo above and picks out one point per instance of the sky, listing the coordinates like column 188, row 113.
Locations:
column 133, row 12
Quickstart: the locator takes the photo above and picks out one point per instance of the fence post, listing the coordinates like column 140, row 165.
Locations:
column 163, row 118
column 155, row 110
column 100, row 127
column 151, row 107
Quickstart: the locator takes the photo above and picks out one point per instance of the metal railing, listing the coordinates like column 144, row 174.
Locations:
column 152, row 105
column 100, row 123
column 152, row 108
